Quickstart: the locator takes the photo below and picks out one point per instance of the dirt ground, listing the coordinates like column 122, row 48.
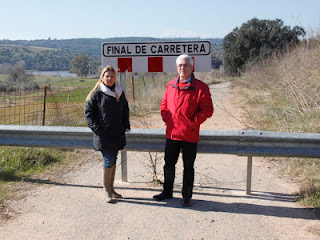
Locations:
column 71, row 206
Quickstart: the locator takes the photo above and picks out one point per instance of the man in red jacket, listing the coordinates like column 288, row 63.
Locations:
column 185, row 105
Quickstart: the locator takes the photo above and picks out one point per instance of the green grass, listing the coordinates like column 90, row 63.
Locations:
column 17, row 163
column 67, row 96
column 3, row 77
column 57, row 81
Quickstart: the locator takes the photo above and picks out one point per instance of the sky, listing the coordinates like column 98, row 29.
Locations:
column 66, row 19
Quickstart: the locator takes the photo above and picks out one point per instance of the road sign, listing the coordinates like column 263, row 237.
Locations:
column 155, row 56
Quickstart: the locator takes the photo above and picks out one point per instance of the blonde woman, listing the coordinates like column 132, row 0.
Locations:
column 107, row 114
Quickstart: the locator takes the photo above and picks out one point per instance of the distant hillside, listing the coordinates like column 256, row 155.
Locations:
column 92, row 46
column 48, row 55
column 36, row 58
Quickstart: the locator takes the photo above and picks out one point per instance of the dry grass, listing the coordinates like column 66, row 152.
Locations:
column 283, row 94
column 145, row 92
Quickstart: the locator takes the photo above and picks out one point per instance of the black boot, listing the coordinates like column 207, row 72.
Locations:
column 162, row 196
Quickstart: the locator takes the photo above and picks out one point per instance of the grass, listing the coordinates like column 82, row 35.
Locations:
column 17, row 163
column 57, row 81
column 282, row 93
column 3, row 77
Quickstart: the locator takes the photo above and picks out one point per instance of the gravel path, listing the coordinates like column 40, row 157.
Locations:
column 72, row 207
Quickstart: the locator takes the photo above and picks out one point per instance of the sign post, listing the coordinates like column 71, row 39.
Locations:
column 152, row 57
column 124, row 170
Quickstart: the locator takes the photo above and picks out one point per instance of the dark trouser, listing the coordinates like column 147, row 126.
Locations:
column 189, row 152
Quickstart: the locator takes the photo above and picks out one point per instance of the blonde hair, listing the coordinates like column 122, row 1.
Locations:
column 104, row 70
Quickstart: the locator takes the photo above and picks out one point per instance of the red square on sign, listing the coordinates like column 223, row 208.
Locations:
column 124, row 64
column 194, row 63
column 155, row 64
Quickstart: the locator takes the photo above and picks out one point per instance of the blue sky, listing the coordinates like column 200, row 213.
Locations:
column 65, row 19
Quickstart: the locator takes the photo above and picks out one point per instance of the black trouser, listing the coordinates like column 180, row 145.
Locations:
column 189, row 152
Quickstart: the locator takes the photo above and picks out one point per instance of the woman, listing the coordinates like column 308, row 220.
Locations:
column 107, row 114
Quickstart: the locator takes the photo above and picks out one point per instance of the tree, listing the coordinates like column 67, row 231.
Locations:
column 257, row 39
column 80, row 65
column 17, row 75
column 18, row 78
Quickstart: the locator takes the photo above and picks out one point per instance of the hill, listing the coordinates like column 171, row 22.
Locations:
column 36, row 58
column 48, row 55
column 92, row 46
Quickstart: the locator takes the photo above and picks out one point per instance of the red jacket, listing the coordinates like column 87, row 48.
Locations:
column 183, row 110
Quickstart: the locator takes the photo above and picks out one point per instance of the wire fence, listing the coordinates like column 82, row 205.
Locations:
column 45, row 106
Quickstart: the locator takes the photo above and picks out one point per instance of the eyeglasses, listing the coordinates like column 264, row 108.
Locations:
column 183, row 65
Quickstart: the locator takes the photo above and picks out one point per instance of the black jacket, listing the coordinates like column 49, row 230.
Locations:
column 107, row 118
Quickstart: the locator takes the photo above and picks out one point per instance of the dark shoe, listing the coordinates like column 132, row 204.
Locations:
column 186, row 202
column 162, row 196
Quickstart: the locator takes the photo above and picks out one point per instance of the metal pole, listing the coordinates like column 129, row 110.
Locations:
column 44, row 106
column 124, row 168
column 249, row 175
column 124, row 175
column 123, row 81
column 133, row 89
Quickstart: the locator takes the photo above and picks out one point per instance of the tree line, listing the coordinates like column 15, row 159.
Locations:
column 41, row 59
column 92, row 46
column 256, row 40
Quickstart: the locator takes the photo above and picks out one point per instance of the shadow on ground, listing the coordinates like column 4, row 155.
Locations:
column 216, row 206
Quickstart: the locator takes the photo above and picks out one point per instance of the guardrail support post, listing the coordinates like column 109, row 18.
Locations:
column 124, row 166
column 249, row 175
column 123, row 152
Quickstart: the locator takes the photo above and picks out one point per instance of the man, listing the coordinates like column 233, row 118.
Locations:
column 185, row 105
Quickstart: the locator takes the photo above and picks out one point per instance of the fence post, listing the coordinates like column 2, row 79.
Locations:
column 44, row 106
column 144, row 83
column 154, row 83
column 133, row 88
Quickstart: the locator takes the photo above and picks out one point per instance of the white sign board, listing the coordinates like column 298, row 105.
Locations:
column 155, row 56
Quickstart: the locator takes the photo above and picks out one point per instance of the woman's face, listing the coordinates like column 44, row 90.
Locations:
column 108, row 78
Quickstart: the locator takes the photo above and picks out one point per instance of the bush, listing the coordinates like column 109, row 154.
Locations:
column 255, row 40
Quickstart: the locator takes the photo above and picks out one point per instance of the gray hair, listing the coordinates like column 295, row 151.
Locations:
column 185, row 56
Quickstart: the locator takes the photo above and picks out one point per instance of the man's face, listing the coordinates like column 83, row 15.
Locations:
column 184, row 69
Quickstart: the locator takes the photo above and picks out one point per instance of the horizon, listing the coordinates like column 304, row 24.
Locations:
column 55, row 39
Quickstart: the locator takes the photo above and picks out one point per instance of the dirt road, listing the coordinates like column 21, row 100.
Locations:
column 72, row 206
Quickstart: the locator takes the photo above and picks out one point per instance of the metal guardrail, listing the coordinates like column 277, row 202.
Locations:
column 236, row 142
